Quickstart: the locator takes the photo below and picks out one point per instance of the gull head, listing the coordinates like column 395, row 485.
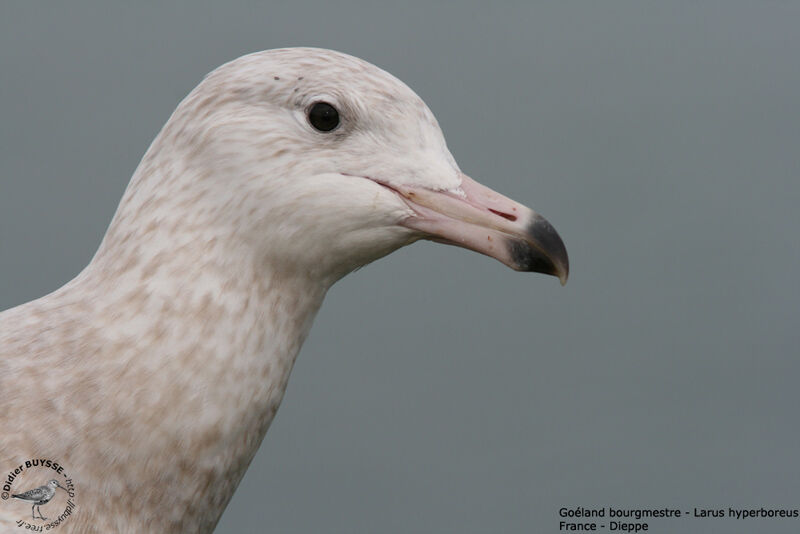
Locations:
column 322, row 163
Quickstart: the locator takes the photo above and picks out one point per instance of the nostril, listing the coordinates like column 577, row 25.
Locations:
column 510, row 217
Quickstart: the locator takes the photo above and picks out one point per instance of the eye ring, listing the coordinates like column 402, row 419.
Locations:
column 323, row 116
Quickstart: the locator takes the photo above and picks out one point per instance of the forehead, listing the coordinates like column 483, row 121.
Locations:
column 294, row 75
column 309, row 65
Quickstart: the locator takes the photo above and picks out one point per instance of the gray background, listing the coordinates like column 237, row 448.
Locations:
column 440, row 391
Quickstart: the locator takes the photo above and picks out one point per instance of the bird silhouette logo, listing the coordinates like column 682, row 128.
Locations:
column 39, row 496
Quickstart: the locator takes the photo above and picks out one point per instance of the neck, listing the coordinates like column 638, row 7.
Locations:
column 201, row 335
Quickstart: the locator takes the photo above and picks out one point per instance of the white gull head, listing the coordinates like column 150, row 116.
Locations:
column 162, row 364
column 250, row 160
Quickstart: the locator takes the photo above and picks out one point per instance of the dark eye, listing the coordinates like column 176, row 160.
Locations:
column 323, row 117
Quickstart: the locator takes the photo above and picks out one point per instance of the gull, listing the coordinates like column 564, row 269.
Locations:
column 160, row 366
column 39, row 496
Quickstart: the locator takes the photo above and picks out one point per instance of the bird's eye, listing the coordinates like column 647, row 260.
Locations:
column 323, row 116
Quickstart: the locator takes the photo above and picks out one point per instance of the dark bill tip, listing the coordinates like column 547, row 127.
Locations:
column 541, row 251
